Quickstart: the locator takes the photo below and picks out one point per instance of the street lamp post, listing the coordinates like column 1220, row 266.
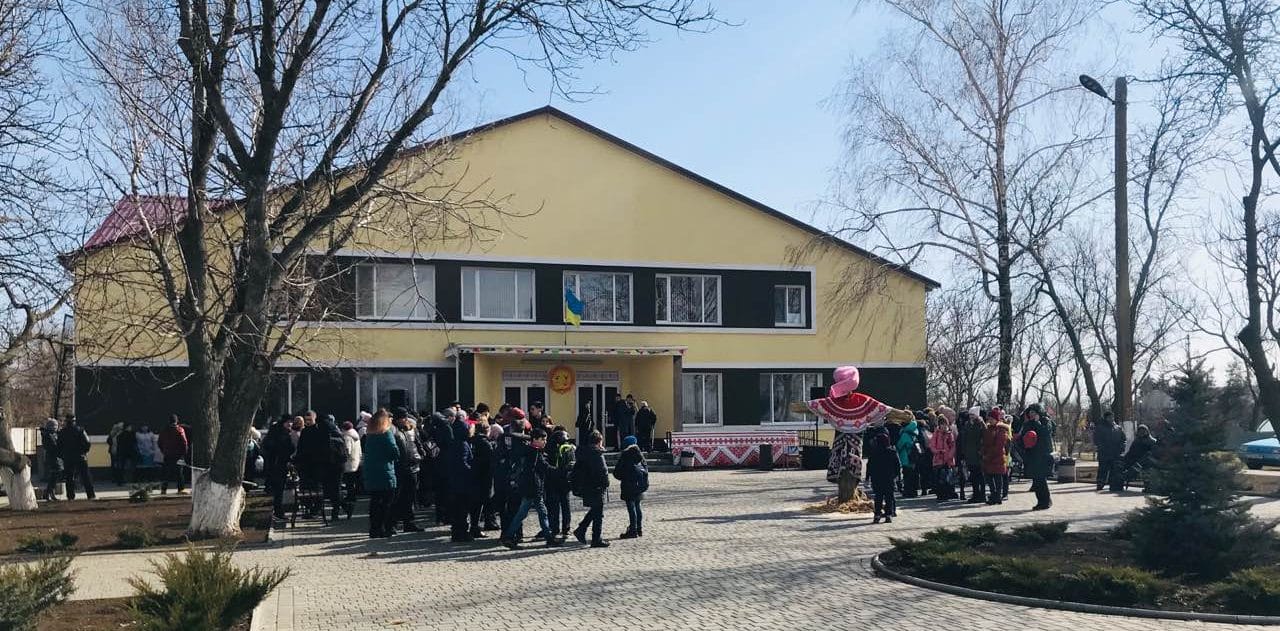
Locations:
column 1124, row 326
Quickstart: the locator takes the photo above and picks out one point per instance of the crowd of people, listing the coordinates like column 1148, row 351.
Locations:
column 976, row 451
column 136, row 456
column 472, row 469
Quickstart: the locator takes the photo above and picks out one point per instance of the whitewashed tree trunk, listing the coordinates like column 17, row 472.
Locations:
column 22, row 496
column 215, row 508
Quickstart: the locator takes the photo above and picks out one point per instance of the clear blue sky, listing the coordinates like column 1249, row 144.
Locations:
column 742, row 105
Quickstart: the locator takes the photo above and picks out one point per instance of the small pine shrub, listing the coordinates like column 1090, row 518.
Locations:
column 1254, row 592
column 1012, row 575
column 28, row 590
column 133, row 537
column 1118, row 586
column 1039, row 533
column 202, row 591
column 37, row 544
column 964, row 536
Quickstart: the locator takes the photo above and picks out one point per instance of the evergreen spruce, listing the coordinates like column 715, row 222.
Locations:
column 1196, row 523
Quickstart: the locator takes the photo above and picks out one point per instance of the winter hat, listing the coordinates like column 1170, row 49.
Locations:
column 947, row 413
column 347, row 426
column 495, row 431
column 975, row 412
column 365, row 417
column 515, row 414
column 846, row 381
column 628, row 441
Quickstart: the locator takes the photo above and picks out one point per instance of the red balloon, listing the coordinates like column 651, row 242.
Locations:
column 1029, row 439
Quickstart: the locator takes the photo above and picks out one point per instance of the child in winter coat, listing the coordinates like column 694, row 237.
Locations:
column 531, row 476
column 633, row 473
column 943, row 446
column 883, row 467
column 995, row 448
column 908, row 451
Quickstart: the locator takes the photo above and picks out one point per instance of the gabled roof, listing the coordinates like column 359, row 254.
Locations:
column 132, row 215
column 720, row 188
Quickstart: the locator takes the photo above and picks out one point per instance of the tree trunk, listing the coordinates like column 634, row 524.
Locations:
column 1004, row 379
column 847, row 485
column 1251, row 335
column 22, row 495
column 215, row 507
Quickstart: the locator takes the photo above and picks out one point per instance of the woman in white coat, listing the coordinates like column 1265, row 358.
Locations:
column 351, row 468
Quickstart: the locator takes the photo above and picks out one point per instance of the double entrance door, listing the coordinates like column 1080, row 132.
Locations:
column 522, row 394
column 594, row 401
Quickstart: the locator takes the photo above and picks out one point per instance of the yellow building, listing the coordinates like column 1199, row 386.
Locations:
column 713, row 307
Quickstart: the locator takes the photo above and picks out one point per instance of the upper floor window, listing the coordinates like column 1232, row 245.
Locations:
column 490, row 293
column 788, row 305
column 606, row 297
column 396, row 290
column 779, row 390
column 688, row 299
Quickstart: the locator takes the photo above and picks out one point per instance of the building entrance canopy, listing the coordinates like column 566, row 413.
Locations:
column 455, row 350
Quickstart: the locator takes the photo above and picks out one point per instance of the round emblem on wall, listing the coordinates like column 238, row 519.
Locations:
column 561, row 378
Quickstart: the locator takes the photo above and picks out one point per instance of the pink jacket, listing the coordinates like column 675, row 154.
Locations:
column 943, row 445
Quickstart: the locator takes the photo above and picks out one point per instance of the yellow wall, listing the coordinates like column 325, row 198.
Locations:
column 583, row 199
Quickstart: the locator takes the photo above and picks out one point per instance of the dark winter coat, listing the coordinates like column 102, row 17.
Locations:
column 971, row 442
column 624, row 418
column 277, row 450
column 532, row 474
column 481, row 468
column 646, row 418
column 379, row 465
column 1109, row 439
column 313, row 450
column 883, row 466
column 1140, row 451
column 561, row 456
column 632, row 472
column 127, row 445
column 410, row 457
column 508, row 454
column 459, row 457
column 173, row 442
column 1038, row 459
column 73, row 443
column 590, row 474
column 586, row 423
column 52, row 453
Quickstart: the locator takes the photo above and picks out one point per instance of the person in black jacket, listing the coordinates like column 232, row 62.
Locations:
column 586, row 423
column 883, row 469
column 312, row 453
column 459, row 462
column 73, row 444
column 646, row 419
column 510, row 451
column 410, row 459
column 481, row 490
column 52, row 459
column 633, row 474
column 127, row 453
column 1109, row 440
column 590, row 480
column 330, row 470
column 560, row 452
column 532, row 476
column 277, row 451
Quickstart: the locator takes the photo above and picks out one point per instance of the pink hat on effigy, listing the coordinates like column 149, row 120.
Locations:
column 846, row 381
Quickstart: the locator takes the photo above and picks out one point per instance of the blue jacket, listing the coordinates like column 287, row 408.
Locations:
column 380, row 456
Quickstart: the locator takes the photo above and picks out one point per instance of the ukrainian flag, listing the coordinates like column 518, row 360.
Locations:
column 572, row 308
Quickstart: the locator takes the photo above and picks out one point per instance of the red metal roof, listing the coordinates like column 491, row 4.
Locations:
column 134, row 215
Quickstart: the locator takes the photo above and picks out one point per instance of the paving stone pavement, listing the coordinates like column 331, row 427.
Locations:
column 722, row 550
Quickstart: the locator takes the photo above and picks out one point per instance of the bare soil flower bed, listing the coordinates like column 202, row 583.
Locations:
column 107, row 613
column 97, row 524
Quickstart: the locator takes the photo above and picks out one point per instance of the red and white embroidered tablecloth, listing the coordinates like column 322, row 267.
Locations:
column 733, row 449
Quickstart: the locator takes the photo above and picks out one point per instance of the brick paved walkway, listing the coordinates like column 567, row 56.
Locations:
column 722, row 550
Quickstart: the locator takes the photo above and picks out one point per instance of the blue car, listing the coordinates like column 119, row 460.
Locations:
column 1264, row 451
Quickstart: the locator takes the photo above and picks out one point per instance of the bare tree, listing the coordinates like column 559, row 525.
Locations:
column 949, row 123
column 1231, row 56
column 286, row 126
column 962, row 350
column 33, row 286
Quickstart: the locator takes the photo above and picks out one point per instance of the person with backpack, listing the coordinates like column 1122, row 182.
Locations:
column 532, row 487
column 173, row 447
column 407, row 465
column 561, row 454
column 73, row 444
column 633, row 474
column 590, row 479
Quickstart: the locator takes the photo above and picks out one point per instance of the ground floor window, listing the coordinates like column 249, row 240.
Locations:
column 414, row 391
column 779, row 389
column 701, row 398
column 289, row 393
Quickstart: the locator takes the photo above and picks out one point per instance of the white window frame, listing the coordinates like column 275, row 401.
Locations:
column 808, row 416
column 288, row 391
column 631, row 294
column 666, row 297
column 703, row 406
column 533, row 278
column 373, row 377
column 421, row 302
column 786, row 302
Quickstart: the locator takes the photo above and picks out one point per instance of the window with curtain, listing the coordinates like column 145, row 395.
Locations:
column 701, row 398
column 778, row 390
column 688, row 299
column 490, row 293
column 397, row 291
column 788, row 305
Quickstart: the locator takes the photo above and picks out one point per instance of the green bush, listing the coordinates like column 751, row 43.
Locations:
column 28, row 590
column 57, row 542
column 202, row 591
column 1255, row 592
column 1115, row 585
column 1042, row 532
column 964, row 536
column 133, row 537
